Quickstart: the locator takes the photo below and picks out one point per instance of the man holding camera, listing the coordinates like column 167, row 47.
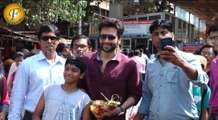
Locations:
column 167, row 88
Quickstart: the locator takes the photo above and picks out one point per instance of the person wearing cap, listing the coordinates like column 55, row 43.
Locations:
column 201, row 94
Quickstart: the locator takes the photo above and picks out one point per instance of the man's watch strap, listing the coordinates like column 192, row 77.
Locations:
column 122, row 110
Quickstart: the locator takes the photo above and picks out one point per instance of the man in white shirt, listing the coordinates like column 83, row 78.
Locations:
column 35, row 73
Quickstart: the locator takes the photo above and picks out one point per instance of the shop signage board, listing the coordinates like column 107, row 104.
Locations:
column 136, row 28
column 191, row 47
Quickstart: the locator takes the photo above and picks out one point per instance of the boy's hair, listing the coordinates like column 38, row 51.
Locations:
column 78, row 62
column 48, row 28
column 112, row 22
column 161, row 23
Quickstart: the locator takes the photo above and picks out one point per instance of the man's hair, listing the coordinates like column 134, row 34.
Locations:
column 78, row 62
column 60, row 47
column 48, row 28
column 136, row 52
column 161, row 23
column 208, row 46
column 112, row 22
column 19, row 54
column 80, row 36
column 213, row 28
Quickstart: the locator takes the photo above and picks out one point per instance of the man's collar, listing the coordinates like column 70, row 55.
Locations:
column 98, row 57
column 58, row 58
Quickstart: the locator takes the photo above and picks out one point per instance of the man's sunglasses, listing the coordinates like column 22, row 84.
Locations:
column 52, row 38
column 109, row 37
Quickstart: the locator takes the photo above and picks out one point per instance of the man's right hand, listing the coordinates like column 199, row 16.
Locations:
column 99, row 117
column 139, row 116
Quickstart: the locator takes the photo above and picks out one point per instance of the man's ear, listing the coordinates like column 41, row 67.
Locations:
column 82, row 75
column 173, row 36
column 120, row 38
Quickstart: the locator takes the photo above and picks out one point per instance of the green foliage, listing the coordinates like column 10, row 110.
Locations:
column 90, row 9
column 149, row 6
column 162, row 5
column 52, row 11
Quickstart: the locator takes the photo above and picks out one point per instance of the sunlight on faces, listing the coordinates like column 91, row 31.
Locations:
column 159, row 33
column 214, row 39
column 48, row 47
column 108, row 45
column 80, row 47
column 72, row 74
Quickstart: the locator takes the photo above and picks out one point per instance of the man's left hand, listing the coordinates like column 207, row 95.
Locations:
column 114, row 112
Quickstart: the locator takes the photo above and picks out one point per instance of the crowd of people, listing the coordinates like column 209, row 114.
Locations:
column 62, row 82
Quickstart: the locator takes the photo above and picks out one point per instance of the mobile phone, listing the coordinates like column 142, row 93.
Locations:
column 166, row 41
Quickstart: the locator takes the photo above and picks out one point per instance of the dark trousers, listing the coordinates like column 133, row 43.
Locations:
column 27, row 115
column 212, row 117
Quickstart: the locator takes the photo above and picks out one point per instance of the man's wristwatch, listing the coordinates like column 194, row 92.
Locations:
column 122, row 110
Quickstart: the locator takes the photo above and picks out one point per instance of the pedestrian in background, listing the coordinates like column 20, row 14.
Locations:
column 64, row 50
column 201, row 95
column 209, row 53
column 81, row 45
column 213, row 36
column 4, row 99
column 18, row 57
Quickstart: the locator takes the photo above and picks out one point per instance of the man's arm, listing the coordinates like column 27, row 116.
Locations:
column 170, row 55
column 133, row 90
column 119, row 109
column 18, row 93
column 139, row 116
column 39, row 108
column 134, row 85
column 143, row 109
column 189, row 70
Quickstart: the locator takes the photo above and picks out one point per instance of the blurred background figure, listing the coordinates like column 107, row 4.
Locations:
column 33, row 52
column 81, row 45
column 4, row 99
column 209, row 53
column 64, row 50
column 140, row 61
column 18, row 57
column 6, row 66
column 25, row 52
column 201, row 94
column 131, row 53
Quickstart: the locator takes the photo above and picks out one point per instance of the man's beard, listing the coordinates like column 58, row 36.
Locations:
column 113, row 47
